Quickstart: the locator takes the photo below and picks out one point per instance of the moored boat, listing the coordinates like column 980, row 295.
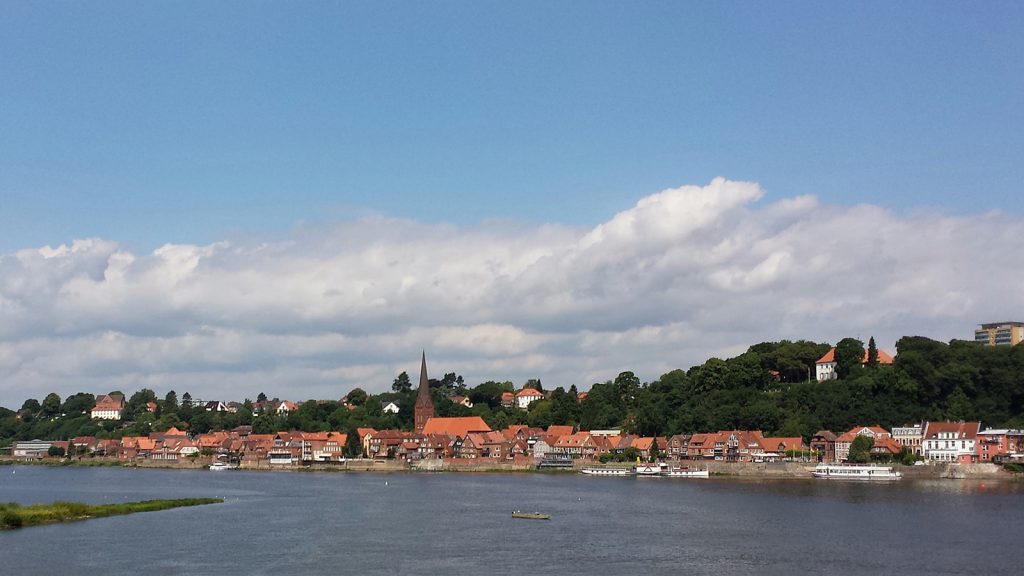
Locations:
column 218, row 466
column 607, row 471
column 856, row 472
column 686, row 472
column 656, row 469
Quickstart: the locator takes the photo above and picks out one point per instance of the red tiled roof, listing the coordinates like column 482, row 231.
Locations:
column 559, row 430
column 529, row 393
column 459, row 426
column 830, row 356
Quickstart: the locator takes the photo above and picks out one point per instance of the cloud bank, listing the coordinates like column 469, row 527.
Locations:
column 683, row 275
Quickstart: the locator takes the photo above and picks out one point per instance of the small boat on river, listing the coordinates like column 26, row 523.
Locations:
column 531, row 515
column 219, row 466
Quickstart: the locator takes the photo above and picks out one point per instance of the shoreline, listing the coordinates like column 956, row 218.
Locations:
column 716, row 469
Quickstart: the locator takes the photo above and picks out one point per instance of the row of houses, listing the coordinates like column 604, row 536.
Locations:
column 954, row 442
column 471, row 437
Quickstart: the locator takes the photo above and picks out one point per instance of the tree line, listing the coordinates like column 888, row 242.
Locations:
column 770, row 387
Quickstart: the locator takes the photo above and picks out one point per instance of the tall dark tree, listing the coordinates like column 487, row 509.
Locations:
column 401, row 384
column 849, row 356
column 51, row 405
column 170, row 401
column 872, row 353
column 357, row 397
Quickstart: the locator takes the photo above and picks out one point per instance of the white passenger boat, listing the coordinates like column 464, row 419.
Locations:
column 218, row 466
column 687, row 473
column 856, row 472
column 607, row 471
column 656, row 469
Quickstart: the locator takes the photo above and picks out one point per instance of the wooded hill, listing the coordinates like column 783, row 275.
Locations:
column 770, row 387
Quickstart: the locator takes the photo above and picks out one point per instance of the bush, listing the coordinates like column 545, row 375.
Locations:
column 9, row 518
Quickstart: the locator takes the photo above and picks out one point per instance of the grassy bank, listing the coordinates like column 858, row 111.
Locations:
column 14, row 515
column 86, row 463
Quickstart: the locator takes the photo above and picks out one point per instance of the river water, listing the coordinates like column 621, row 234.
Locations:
column 460, row 524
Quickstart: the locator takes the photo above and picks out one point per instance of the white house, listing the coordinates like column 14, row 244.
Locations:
column 526, row 396
column 391, row 408
column 825, row 367
column 108, row 407
column 951, row 441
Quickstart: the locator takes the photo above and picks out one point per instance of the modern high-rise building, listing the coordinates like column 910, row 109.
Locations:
column 1000, row 334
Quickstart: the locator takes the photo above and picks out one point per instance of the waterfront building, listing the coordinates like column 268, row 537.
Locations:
column 823, row 443
column 997, row 445
column 1000, row 334
column 32, row 448
column 951, row 441
column 424, row 408
column 843, row 442
column 909, row 437
column 826, row 365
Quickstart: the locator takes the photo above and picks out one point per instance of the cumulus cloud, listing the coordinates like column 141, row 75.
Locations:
column 685, row 274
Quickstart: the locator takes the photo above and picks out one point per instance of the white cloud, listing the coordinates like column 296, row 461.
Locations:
column 684, row 274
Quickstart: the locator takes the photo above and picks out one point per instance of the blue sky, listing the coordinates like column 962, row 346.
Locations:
column 147, row 124
column 298, row 198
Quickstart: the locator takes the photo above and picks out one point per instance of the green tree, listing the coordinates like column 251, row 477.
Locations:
column 357, row 397
column 655, row 452
column 849, row 355
column 860, row 449
column 78, row 403
column 170, row 402
column 401, row 384
column 352, row 449
column 872, row 354
column 51, row 405
column 186, row 400
column 31, row 406
column 55, row 451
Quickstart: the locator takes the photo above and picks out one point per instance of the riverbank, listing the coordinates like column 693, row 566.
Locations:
column 768, row 471
column 14, row 515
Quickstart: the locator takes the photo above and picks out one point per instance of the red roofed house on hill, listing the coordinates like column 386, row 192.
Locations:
column 108, row 407
column 526, row 396
column 826, row 365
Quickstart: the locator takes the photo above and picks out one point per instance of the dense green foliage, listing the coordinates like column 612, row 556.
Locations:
column 14, row 515
column 769, row 387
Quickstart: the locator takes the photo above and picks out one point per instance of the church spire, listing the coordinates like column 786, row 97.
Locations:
column 424, row 409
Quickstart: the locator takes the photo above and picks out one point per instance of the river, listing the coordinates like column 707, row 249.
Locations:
column 460, row 524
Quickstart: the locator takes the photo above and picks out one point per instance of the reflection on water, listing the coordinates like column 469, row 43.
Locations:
column 461, row 524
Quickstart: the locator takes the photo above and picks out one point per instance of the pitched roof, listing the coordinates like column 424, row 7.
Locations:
column 559, row 430
column 529, row 393
column 830, row 356
column 459, row 426
column 962, row 430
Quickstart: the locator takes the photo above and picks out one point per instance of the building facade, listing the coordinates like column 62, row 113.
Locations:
column 1000, row 334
